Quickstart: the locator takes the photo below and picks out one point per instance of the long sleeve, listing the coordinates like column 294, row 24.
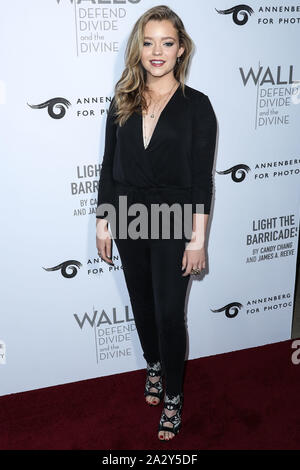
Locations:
column 203, row 149
column 106, row 182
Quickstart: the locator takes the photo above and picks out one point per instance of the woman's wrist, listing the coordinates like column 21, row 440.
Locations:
column 197, row 241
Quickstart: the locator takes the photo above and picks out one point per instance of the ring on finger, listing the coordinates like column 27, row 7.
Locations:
column 196, row 271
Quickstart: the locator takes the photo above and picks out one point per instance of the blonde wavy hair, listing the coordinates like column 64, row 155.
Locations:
column 129, row 89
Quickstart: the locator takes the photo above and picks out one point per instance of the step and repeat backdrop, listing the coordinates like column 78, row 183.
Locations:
column 65, row 314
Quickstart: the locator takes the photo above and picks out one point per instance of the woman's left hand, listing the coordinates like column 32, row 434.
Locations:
column 193, row 259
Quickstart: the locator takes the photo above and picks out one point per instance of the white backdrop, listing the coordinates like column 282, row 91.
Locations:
column 65, row 315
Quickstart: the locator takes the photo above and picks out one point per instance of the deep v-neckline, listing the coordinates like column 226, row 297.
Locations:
column 158, row 120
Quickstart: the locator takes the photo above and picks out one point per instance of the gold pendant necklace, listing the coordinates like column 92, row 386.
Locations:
column 152, row 115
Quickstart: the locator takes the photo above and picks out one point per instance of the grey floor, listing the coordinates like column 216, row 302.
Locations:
column 296, row 313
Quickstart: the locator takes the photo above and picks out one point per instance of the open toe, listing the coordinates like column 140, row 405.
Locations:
column 170, row 420
column 153, row 388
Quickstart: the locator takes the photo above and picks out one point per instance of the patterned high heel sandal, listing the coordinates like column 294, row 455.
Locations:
column 171, row 402
column 153, row 370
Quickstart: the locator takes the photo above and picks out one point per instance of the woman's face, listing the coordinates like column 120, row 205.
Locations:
column 160, row 44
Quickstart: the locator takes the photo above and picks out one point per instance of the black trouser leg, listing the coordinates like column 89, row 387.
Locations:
column 136, row 263
column 157, row 290
column 169, row 287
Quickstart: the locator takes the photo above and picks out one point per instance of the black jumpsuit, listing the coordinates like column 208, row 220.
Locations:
column 176, row 167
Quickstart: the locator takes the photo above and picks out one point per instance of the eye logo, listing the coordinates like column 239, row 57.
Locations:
column 64, row 266
column 241, row 168
column 242, row 9
column 234, row 307
column 60, row 103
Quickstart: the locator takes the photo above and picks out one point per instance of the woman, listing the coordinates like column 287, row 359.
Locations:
column 159, row 149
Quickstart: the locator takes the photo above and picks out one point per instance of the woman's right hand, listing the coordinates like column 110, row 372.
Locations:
column 103, row 240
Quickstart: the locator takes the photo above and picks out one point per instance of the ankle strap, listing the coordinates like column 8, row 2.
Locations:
column 153, row 367
column 173, row 402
